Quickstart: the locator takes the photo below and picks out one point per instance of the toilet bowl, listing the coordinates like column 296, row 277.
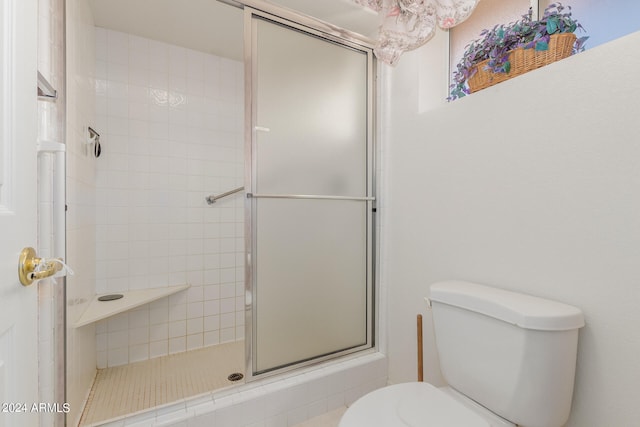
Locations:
column 508, row 359
column 418, row 404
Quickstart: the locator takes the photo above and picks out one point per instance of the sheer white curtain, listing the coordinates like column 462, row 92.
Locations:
column 408, row 24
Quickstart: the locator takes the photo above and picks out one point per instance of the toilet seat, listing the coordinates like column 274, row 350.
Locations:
column 416, row 404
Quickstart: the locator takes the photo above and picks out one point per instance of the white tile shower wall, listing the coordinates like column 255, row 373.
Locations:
column 171, row 122
column 81, row 223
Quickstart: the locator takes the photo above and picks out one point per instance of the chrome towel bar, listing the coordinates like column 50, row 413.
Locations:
column 308, row 196
column 212, row 199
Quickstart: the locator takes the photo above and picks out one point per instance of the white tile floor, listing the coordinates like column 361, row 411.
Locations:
column 138, row 386
column 330, row 419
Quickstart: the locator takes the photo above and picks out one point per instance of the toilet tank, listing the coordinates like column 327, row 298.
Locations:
column 514, row 354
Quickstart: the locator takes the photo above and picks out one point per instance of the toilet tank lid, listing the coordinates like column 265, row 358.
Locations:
column 525, row 311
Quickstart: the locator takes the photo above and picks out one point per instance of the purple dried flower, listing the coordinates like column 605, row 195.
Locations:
column 495, row 44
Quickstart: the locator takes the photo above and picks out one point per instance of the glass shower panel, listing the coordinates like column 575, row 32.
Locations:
column 311, row 293
column 311, row 114
column 310, row 260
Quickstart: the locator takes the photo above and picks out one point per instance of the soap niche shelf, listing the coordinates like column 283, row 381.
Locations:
column 98, row 310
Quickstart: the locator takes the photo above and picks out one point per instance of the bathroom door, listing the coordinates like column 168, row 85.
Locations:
column 18, row 190
column 310, row 202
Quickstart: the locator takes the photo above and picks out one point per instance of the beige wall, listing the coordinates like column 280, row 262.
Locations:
column 531, row 185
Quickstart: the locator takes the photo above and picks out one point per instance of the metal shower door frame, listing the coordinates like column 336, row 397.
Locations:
column 295, row 22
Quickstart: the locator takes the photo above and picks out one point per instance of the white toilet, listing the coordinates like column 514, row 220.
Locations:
column 508, row 358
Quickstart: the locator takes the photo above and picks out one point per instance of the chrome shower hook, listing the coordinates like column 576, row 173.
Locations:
column 94, row 138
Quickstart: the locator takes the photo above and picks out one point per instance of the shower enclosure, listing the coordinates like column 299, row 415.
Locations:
column 310, row 194
column 286, row 264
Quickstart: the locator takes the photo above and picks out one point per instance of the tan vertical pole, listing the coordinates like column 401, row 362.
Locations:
column 420, row 360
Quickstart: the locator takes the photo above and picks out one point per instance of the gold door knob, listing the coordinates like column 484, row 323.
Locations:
column 31, row 268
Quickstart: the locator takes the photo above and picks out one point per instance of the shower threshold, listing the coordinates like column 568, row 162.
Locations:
column 126, row 389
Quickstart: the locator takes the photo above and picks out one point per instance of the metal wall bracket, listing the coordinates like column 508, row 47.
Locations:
column 46, row 91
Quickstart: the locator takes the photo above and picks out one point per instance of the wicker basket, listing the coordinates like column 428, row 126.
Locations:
column 524, row 60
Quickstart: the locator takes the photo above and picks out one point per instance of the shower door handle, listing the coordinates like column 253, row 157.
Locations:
column 309, row 196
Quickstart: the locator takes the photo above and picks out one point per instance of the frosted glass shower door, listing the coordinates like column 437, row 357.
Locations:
column 310, row 198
